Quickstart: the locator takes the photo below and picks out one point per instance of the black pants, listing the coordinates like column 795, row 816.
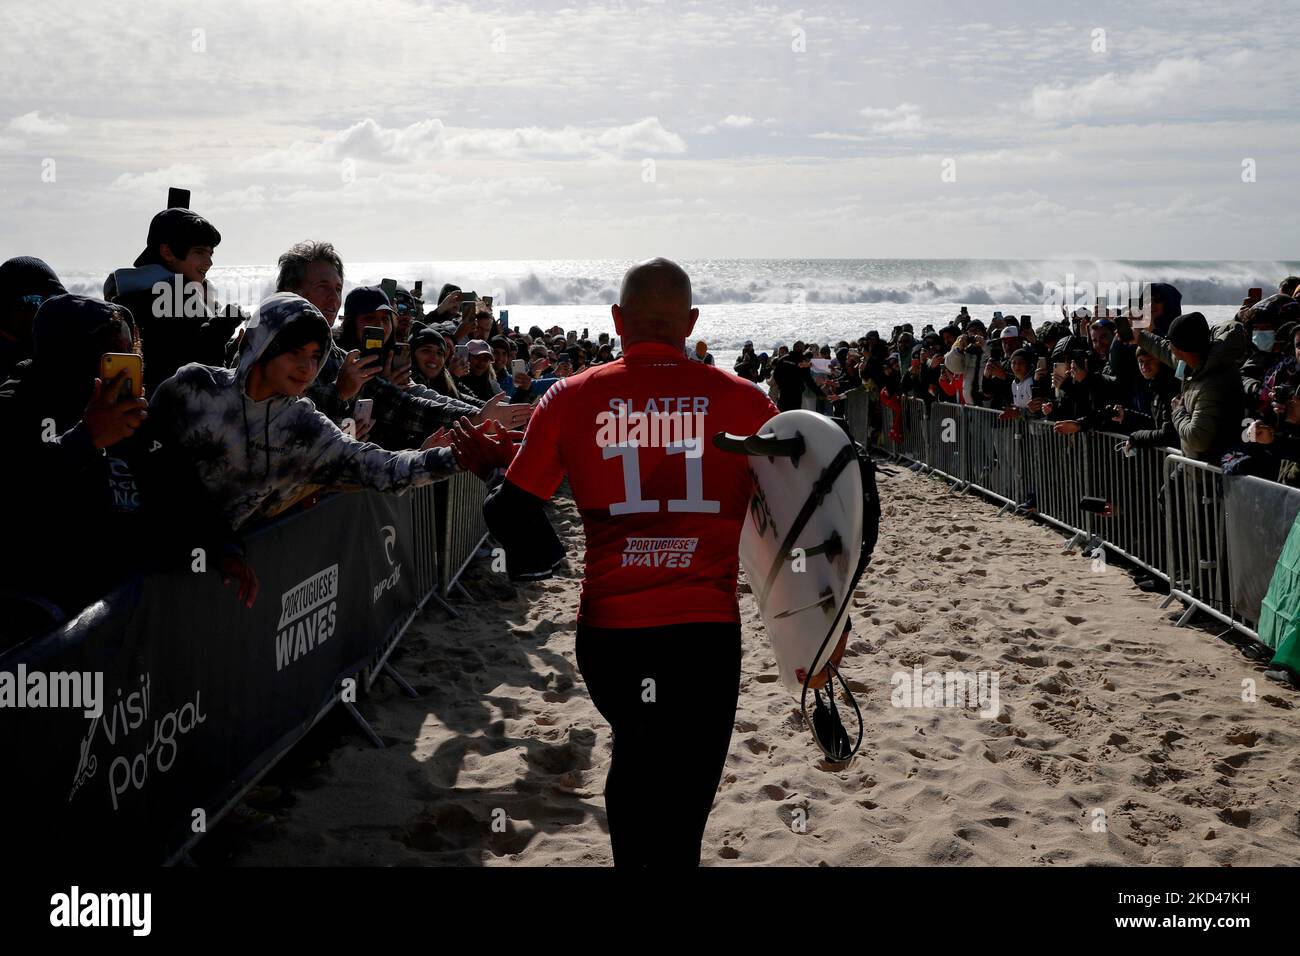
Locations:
column 670, row 736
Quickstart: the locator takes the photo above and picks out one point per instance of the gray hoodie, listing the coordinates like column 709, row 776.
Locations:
column 255, row 458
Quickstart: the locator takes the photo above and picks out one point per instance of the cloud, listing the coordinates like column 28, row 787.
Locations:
column 1113, row 94
column 34, row 124
column 901, row 120
column 154, row 183
column 738, row 122
column 427, row 140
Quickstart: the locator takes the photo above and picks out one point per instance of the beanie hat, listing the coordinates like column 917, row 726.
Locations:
column 1191, row 333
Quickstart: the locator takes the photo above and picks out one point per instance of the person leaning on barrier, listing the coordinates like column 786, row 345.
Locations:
column 93, row 502
column 1206, row 413
column 1082, row 399
column 257, row 443
column 1152, row 426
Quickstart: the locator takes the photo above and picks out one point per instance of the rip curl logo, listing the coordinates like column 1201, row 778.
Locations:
column 389, row 535
column 659, row 552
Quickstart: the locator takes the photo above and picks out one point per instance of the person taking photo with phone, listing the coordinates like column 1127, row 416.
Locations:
column 94, row 502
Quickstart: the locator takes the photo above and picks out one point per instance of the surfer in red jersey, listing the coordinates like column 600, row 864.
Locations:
column 658, row 638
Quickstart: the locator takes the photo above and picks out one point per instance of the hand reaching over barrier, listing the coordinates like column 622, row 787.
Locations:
column 510, row 416
column 484, row 448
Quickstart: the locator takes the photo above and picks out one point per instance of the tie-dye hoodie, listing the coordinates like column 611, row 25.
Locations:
column 255, row 457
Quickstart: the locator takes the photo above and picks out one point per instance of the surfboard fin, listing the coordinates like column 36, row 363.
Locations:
column 762, row 446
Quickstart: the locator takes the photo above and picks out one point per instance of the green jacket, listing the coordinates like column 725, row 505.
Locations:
column 1209, row 418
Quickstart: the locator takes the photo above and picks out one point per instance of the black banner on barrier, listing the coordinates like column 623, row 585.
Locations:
column 196, row 693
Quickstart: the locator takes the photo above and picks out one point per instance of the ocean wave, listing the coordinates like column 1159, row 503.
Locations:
column 804, row 282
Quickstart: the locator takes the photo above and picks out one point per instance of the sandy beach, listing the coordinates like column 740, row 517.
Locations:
column 1120, row 740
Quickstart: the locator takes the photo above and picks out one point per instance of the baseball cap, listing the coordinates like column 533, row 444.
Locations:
column 365, row 299
column 1010, row 332
column 478, row 347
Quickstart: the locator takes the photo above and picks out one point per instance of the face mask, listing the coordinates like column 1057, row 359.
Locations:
column 1180, row 372
column 1263, row 339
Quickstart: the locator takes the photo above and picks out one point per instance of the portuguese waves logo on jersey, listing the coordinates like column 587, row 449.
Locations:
column 659, row 552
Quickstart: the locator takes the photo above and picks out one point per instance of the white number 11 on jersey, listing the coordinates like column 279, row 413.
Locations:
column 633, row 503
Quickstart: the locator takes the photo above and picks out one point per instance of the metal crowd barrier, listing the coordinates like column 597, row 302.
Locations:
column 463, row 529
column 857, row 414
column 1167, row 511
column 1196, row 543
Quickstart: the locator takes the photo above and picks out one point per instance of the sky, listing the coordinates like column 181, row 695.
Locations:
column 404, row 130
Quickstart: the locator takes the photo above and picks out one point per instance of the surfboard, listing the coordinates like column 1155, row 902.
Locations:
column 802, row 542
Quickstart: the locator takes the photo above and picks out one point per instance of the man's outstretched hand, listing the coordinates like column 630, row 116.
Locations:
column 483, row 448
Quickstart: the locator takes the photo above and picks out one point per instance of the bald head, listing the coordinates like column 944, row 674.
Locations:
column 654, row 303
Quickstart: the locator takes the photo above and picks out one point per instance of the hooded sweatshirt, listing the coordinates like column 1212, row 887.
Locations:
column 255, row 458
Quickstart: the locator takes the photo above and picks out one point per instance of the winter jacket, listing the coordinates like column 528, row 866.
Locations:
column 255, row 458
column 1208, row 420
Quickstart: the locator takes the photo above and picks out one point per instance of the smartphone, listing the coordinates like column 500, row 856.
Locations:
column 390, row 288
column 1255, row 295
column 402, row 351
column 571, row 336
column 111, row 363
column 417, row 291
column 467, row 307
column 1026, row 322
column 372, row 341
column 504, row 319
column 363, row 410
column 585, row 335
column 468, row 296
column 1042, row 363
column 178, row 198
column 487, row 301
column 518, row 365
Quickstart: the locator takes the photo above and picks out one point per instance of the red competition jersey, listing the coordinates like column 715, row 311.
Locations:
column 661, row 507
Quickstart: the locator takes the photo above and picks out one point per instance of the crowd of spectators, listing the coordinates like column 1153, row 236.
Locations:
column 1227, row 394
column 241, row 418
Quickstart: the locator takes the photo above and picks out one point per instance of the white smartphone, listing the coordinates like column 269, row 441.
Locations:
column 518, row 365
column 364, row 409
